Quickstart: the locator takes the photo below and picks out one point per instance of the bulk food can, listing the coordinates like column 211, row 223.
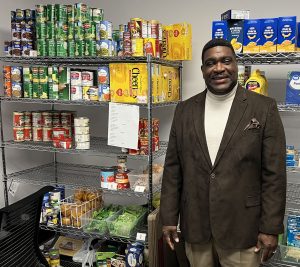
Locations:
column 87, row 78
column 105, row 48
column 47, row 119
column 71, row 31
column 61, row 48
column 107, row 176
column 104, row 92
column 76, row 92
column 61, row 31
column 55, row 119
column 82, row 130
column 18, row 119
column 41, row 13
column 17, row 89
column 66, row 118
column 27, row 133
column 88, row 31
column 28, row 90
column 82, row 145
column 35, row 74
column 53, row 90
column 36, row 119
column 43, row 91
column 41, row 47
column 7, row 81
column 47, row 134
column 51, row 13
column 98, row 31
column 29, row 14
column 90, row 48
column 93, row 93
column 97, row 14
column 81, row 11
column 27, row 118
column 76, row 78
column 71, row 48
column 79, row 31
column 27, row 46
column 60, row 13
column 16, row 50
column 18, row 134
column 105, row 30
column 27, row 32
column 70, row 13
column 51, row 47
column 51, row 30
column 103, row 74
column 35, row 90
column 79, row 48
column 136, row 27
column 20, row 14
column 12, row 16
column 37, row 134
column 41, row 31
column 82, row 138
column 16, row 74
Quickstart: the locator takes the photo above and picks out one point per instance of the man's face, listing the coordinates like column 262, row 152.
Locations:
column 219, row 70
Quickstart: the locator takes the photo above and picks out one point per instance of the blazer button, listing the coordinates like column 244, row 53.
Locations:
column 212, row 176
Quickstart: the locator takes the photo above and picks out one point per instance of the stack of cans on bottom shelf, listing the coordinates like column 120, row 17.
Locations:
column 82, row 133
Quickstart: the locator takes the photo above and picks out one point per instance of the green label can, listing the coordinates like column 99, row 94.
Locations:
column 62, row 31
column 41, row 13
column 51, row 13
column 70, row 13
column 27, row 86
column 61, row 48
column 35, row 74
column 41, row 30
column 41, row 47
column 53, row 74
column 79, row 48
column 53, row 90
column 81, row 12
column 71, row 31
column 27, row 76
column 71, row 48
column 50, row 30
column 88, row 31
column 35, row 90
column 90, row 48
column 97, row 14
column 43, row 75
column 61, row 13
column 51, row 47
column 79, row 33
column 44, row 92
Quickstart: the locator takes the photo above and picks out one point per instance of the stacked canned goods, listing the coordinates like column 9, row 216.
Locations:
column 82, row 133
column 22, row 126
column 103, row 83
column 16, row 81
column 22, row 33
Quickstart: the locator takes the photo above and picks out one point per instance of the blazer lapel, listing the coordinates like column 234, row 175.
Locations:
column 237, row 111
column 198, row 118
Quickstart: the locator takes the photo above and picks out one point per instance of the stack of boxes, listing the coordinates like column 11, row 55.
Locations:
column 265, row 35
column 82, row 133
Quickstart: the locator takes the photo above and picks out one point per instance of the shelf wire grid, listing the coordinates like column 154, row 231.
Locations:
column 268, row 58
column 98, row 146
column 72, row 176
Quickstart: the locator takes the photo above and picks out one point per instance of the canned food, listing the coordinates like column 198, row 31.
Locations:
column 68, row 131
column 36, row 119
column 66, row 118
column 136, row 27
column 28, row 90
column 107, row 176
column 79, row 32
column 51, row 30
column 27, row 33
column 85, row 92
column 17, row 89
column 41, row 31
column 70, row 13
column 85, row 130
column 18, row 134
column 51, row 13
column 79, row 48
column 98, row 31
column 105, row 48
column 41, row 13
column 103, row 74
column 47, row 119
column 27, row 46
column 35, row 90
column 58, row 133
column 53, row 90
column 97, row 14
column 7, row 48
column 7, row 81
column 88, row 31
column 18, row 119
column 20, row 14
column 47, row 134
column 55, row 119
column 90, row 48
column 71, row 31
column 61, row 48
column 104, row 92
column 12, row 16
column 81, row 11
column 122, row 160
column 81, row 121
column 61, row 31
column 71, row 48
column 105, row 30
column 66, row 143
column 137, row 46
column 29, row 14
column 27, row 118
column 84, row 145
column 16, row 49
column 16, row 74
column 87, row 78
column 61, row 13
column 76, row 78
column 149, row 46
column 41, row 47
column 93, row 93
column 37, row 134
column 35, row 74
column 76, row 92
column 82, row 138
column 154, row 28
column 27, row 133
column 56, row 142
column 51, row 47
column 43, row 75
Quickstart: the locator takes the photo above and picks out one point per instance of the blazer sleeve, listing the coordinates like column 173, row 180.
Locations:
column 172, row 178
column 273, row 186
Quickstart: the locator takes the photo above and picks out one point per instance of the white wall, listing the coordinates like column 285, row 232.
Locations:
column 200, row 14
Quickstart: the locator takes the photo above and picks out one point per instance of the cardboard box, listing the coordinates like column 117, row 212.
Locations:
column 293, row 88
column 235, row 14
column 252, row 36
column 269, row 31
column 298, row 37
column 235, row 34
column 170, row 84
column 286, row 34
column 219, row 30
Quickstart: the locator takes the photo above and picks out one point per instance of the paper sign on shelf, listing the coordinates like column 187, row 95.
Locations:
column 139, row 189
column 141, row 237
column 123, row 125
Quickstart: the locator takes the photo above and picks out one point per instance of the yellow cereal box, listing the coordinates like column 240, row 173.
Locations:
column 170, row 84
column 177, row 42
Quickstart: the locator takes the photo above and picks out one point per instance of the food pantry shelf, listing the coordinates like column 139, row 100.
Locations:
column 78, row 102
column 81, row 233
column 268, row 58
column 87, row 61
column 72, row 176
column 98, row 147
column 277, row 261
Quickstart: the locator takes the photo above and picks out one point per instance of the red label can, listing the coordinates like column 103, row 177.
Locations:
column 47, row 119
column 47, row 134
column 19, row 119
column 18, row 134
column 27, row 118
column 36, row 119
column 58, row 133
column 27, row 133
column 37, row 134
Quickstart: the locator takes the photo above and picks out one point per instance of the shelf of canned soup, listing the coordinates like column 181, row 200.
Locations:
column 79, row 30
column 116, row 82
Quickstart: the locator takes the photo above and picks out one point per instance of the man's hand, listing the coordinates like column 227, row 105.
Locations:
column 170, row 235
column 268, row 244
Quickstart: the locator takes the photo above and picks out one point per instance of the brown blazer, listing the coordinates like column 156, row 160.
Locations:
column 244, row 192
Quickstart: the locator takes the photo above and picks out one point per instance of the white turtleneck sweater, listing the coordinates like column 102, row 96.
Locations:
column 217, row 108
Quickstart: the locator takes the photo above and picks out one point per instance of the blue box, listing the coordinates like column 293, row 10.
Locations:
column 235, row 34
column 219, row 29
column 286, row 34
column 293, row 88
column 235, row 14
column 252, row 34
column 269, row 31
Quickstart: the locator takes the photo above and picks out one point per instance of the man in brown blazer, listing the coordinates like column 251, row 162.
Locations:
column 225, row 169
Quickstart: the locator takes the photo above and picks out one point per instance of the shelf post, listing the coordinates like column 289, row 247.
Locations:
column 150, row 135
column 54, row 157
column 5, row 188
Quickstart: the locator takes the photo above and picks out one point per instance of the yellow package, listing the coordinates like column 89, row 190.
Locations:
column 156, row 83
column 177, row 41
column 257, row 83
column 170, row 84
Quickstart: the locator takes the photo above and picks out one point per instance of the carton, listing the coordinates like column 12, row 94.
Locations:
column 298, row 37
column 170, row 84
column 252, row 36
column 293, row 88
column 235, row 14
column 235, row 34
column 219, row 30
column 286, row 34
column 269, row 28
